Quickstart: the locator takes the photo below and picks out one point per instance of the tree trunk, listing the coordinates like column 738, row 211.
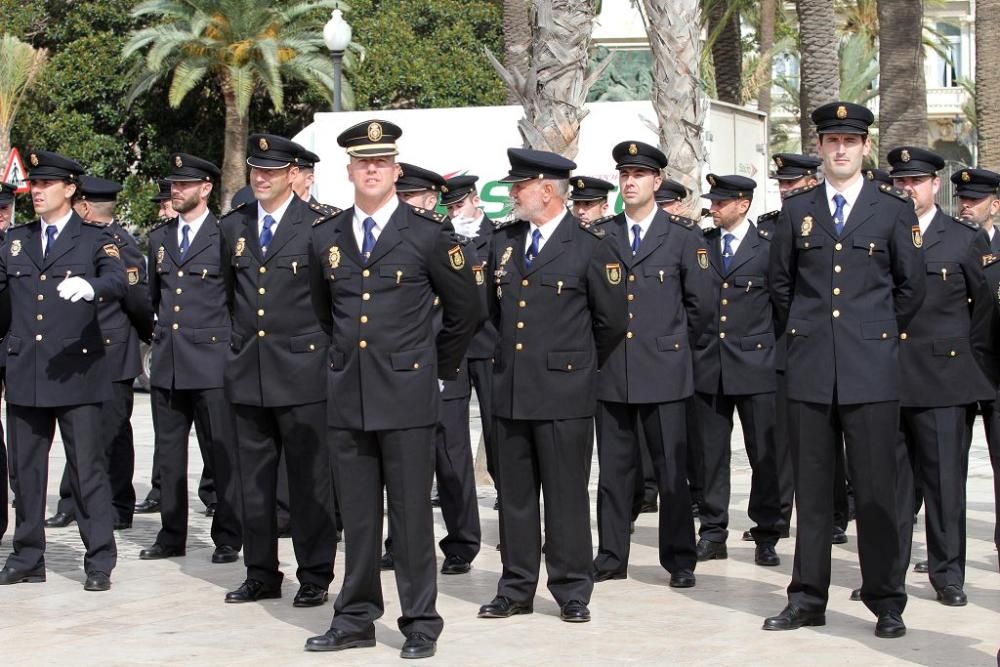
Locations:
column 678, row 98
column 819, row 67
column 516, row 38
column 234, row 160
column 768, row 10
column 988, row 82
column 902, row 90
column 727, row 51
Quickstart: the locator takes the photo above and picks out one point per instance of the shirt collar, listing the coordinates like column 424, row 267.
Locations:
column 549, row 227
column 59, row 223
column 925, row 220
column 851, row 192
column 381, row 216
column 195, row 223
column 739, row 231
column 643, row 224
column 278, row 213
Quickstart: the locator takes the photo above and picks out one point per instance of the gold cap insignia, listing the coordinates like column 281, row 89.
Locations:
column 870, row 174
column 614, row 273
column 778, row 161
column 841, row 112
column 711, row 180
column 241, row 246
column 178, row 161
column 904, row 155
column 34, row 160
column 807, row 225
column 444, row 189
column 334, row 257
column 456, row 258
column 918, row 240
column 15, row 248
column 374, row 131
column 262, row 144
column 965, row 177
column 703, row 258
column 633, row 149
column 579, row 182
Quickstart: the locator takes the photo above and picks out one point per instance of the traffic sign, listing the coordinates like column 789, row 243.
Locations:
column 14, row 172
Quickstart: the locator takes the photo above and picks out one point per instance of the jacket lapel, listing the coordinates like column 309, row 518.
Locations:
column 746, row 251
column 389, row 237
column 712, row 240
column 344, row 237
column 201, row 241
column 65, row 242
column 657, row 233
column 553, row 247
column 33, row 244
column 287, row 227
column 935, row 232
column 864, row 208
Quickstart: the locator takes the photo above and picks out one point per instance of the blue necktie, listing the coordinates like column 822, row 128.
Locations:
column 266, row 234
column 636, row 231
column 185, row 239
column 369, row 239
column 533, row 249
column 838, row 215
column 50, row 239
column 727, row 251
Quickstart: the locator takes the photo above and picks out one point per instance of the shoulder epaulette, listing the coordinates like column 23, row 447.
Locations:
column 433, row 216
column 990, row 258
column 325, row 212
column 601, row 221
column 967, row 223
column 798, row 191
column 91, row 223
column 162, row 223
column 234, row 209
column 686, row 223
column 765, row 231
column 503, row 223
column 769, row 216
column 895, row 192
column 593, row 229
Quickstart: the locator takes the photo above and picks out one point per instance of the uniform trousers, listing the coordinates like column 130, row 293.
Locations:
column 300, row 431
column 31, row 431
column 116, row 416
column 4, row 474
column 694, row 466
column 665, row 428
column 937, row 442
column 456, row 482
column 783, row 453
column 991, row 423
column 481, row 375
column 645, row 484
column 174, row 412
column 206, row 483
column 714, row 422
column 402, row 462
column 869, row 432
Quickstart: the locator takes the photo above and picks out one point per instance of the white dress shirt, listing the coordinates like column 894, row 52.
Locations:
column 381, row 218
column 59, row 224
column 851, row 194
column 643, row 225
column 195, row 225
column 738, row 232
column 547, row 230
column 277, row 214
column 925, row 220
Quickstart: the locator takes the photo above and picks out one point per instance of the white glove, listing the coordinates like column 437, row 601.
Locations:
column 76, row 288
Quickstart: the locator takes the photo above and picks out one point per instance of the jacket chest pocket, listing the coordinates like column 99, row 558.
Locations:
column 657, row 273
column 20, row 271
column 873, row 246
column 748, row 282
column 241, row 262
column 203, row 271
column 67, row 270
column 809, row 242
column 399, row 273
column 946, row 271
column 339, row 273
column 560, row 282
column 293, row 263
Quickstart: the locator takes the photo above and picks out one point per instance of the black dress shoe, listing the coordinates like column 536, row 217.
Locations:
column 747, row 536
column 158, row 551
column 607, row 575
column 225, row 554
column 97, row 581
column 952, row 596
column 890, row 625
column 9, row 575
column 682, row 579
column 574, row 611
column 338, row 640
column 210, row 510
column 418, row 645
column 503, row 607
column 765, row 555
column 922, row 567
column 856, row 595
column 791, row 618
column 648, row 507
column 147, row 506
column 455, row 565
column 252, row 590
column 387, row 563
column 708, row 550
column 121, row 524
column 839, row 536
column 310, row 595
column 59, row 520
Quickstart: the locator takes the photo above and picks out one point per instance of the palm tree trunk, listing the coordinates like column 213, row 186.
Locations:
column 819, row 68
column 516, row 38
column 902, row 89
column 768, row 10
column 234, row 161
column 727, row 50
column 988, row 82
column 678, row 95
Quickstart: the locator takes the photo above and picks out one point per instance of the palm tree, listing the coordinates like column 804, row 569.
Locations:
column 988, row 82
column 673, row 28
column 726, row 47
column 20, row 65
column 241, row 46
column 819, row 72
column 554, row 87
column 517, row 38
column 902, row 90
column 768, row 15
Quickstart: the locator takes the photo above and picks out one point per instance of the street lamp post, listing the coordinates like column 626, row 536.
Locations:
column 337, row 35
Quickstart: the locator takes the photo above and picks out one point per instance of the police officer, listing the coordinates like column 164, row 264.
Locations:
column 942, row 380
column 376, row 269
column 189, row 347
column 589, row 197
column 878, row 175
column 123, row 324
column 275, row 376
column 846, row 278
column 559, row 308
column 645, row 384
column 734, row 369
column 978, row 192
column 56, row 270
column 670, row 196
column 306, row 175
column 7, row 192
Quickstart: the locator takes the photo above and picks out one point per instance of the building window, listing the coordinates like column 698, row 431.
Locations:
column 946, row 68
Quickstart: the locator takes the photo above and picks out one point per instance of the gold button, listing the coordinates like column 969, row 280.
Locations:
column 262, row 291
column 723, row 318
column 836, row 291
column 366, row 296
column 677, row 346
column 722, row 335
column 631, row 297
column 837, row 268
column 312, row 346
column 884, row 335
column 524, row 283
column 952, row 353
column 366, row 273
column 213, row 339
column 180, row 274
column 179, row 290
column 260, row 312
column 522, row 304
column 903, row 336
column 38, row 336
column 631, row 279
column 725, row 302
column 84, row 350
column 107, row 341
column 416, row 366
column 364, row 319
column 836, row 313
column 520, row 325
column 759, row 346
column 569, row 367
column 262, row 269
column 261, row 333
column 43, row 277
column 175, row 326
column 630, row 335
column 519, row 347
column 631, row 316
column 792, row 331
column 39, row 317
column 41, row 297
column 177, row 309
column 725, row 285
column 838, row 246
column 806, row 244
column 363, row 344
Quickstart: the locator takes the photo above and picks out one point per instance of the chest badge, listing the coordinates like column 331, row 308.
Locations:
column 334, row 257
column 15, row 247
column 614, row 273
column 478, row 271
column 807, row 225
column 703, row 258
column 456, row 258
column 918, row 240
column 241, row 246
column 160, row 252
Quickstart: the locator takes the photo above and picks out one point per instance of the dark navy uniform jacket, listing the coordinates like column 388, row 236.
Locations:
column 126, row 321
column 385, row 358
column 485, row 340
column 558, row 321
column 55, row 351
column 843, row 301
column 192, row 326
column 277, row 348
column 668, row 294
column 738, row 348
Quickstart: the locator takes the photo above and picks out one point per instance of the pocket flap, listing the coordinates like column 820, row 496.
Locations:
column 295, row 262
column 241, row 262
column 949, row 347
column 13, row 344
column 882, row 329
column 941, row 268
column 115, row 336
column 20, row 270
column 400, row 271
column 339, row 273
column 558, row 280
column 655, row 271
column 86, row 345
column 211, row 335
column 672, row 343
column 337, row 359
column 871, row 244
column 412, row 360
column 757, row 341
column 206, row 270
column 566, row 361
column 309, row 342
column 796, row 327
column 750, row 281
column 809, row 242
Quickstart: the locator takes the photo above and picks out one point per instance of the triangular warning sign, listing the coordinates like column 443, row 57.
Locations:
column 14, row 172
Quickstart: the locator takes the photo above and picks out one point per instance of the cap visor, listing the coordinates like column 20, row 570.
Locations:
column 373, row 151
column 511, row 178
column 183, row 179
column 972, row 194
column 718, row 196
column 904, row 173
column 265, row 163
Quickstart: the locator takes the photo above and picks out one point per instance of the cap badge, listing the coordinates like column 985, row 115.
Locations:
column 444, row 189
column 34, row 160
column 807, row 225
column 711, row 180
column 579, row 183
column 263, row 145
column 374, row 131
column 904, row 155
column 778, row 161
column 841, row 112
column 178, row 162
column 334, row 257
column 965, row 177
column 870, row 174
column 633, row 149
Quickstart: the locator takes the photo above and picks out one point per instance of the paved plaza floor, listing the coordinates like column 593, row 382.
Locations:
column 172, row 611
